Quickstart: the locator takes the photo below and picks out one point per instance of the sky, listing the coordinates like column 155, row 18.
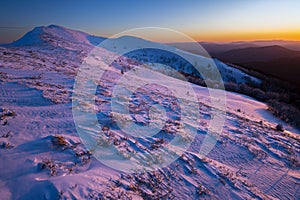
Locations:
column 210, row 20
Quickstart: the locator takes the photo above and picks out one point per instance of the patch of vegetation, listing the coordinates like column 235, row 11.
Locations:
column 279, row 127
column 49, row 164
column 6, row 145
column 283, row 99
column 59, row 140
column 4, row 114
column 201, row 190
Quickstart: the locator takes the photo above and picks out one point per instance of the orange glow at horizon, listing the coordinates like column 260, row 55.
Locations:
column 293, row 35
column 227, row 36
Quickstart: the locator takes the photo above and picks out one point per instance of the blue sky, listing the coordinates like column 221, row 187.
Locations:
column 203, row 20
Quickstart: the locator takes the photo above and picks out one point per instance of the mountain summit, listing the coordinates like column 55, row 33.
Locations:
column 56, row 35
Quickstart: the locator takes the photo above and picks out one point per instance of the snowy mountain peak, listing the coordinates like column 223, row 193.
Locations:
column 33, row 37
column 55, row 34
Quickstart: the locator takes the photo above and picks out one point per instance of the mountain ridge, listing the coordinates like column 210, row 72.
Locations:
column 257, row 54
column 47, row 35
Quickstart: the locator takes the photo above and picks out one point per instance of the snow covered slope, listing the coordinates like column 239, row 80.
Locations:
column 42, row 156
column 55, row 35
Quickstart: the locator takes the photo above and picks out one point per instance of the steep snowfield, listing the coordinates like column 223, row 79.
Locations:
column 42, row 156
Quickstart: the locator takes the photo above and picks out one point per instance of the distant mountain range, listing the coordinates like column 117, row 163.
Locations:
column 256, row 54
column 277, row 58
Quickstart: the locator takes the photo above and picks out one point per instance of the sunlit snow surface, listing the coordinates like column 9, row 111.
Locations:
column 251, row 159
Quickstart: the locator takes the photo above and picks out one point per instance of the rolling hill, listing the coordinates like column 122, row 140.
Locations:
column 43, row 157
column 257, row 54
column 277, row 61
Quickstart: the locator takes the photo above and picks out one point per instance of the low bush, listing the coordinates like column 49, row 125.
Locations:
column 59, row 140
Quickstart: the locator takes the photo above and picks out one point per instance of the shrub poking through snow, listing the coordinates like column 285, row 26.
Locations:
column 59, row 140
column 49, row 164
column 279, row 127
column 9, row 113
column 4, row 112
column 202, row 190
column 6, row 145
column 5, row 122
column 6, row 135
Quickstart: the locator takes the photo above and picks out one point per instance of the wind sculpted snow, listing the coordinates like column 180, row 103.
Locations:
column 42, row 156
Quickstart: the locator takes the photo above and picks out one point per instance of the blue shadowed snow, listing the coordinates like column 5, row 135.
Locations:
column 17, row 94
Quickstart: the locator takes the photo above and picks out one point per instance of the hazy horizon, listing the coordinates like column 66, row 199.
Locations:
column 166, row 42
